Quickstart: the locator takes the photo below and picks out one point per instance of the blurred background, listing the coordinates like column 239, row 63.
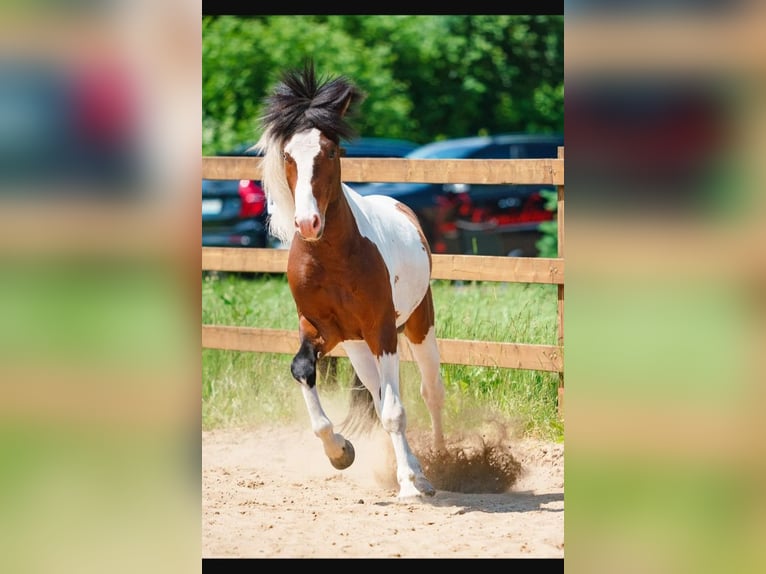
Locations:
column 101, row 132
column 99, row 286
column 664, row 330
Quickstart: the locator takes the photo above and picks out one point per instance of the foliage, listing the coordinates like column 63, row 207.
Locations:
column 548, row 244
column 427, row 77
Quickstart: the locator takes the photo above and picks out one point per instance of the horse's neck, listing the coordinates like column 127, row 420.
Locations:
column 340, row 224
column 341, row 231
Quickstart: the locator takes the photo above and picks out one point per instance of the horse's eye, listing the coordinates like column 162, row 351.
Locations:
column 333, row 152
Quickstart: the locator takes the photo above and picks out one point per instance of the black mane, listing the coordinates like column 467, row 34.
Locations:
column 302, row 101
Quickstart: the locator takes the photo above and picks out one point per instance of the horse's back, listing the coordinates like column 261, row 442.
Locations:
column 395, row 230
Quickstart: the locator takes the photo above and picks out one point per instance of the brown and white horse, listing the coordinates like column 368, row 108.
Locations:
column 359, row 267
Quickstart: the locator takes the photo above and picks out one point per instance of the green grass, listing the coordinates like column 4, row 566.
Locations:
column 251, row 388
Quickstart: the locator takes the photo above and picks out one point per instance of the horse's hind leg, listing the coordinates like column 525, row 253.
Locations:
column 339, row 450
column 426, row 354
column 421, row 336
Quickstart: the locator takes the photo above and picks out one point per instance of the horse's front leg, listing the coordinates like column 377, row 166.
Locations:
column 409, row 473
column 339, row 450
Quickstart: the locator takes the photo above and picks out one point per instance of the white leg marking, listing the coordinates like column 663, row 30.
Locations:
column 409, row 473
column 366, row 367
column 332, row 442
column 382, row 379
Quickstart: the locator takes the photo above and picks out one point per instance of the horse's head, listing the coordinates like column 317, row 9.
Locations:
column 304, row 121
column 312, row 170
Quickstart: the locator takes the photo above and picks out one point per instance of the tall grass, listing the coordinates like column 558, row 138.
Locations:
column 250, row 388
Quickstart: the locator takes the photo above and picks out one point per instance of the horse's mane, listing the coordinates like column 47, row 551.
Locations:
column 300, row 101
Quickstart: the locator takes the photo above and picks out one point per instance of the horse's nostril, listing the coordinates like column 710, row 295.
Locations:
column 309, row 227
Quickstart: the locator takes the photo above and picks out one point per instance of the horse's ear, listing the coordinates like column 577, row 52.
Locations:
column 346, row 104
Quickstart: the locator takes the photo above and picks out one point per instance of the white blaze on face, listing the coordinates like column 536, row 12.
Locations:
column 303, row 147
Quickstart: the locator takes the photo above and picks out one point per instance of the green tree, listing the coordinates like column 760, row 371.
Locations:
column 548, row 244
column 427, row 77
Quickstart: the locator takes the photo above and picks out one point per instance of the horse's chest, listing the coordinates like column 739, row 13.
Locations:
column 348, row 294
column 344, row 291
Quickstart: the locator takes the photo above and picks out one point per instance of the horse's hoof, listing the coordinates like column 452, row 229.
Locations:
column 424, row 486
column 416, row 490
column 346, row 459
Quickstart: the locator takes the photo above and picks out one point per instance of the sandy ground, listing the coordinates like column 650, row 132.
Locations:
column 271, row 492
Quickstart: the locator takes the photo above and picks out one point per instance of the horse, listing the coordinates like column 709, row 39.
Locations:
column 359, row 268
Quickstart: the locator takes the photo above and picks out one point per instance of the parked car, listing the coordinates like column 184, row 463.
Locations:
column 378, row 147
column 476, row 219
column 234, row 211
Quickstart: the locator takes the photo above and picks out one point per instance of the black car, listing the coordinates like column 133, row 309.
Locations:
column 234, row 211
column 378, row 147
column 501, row 219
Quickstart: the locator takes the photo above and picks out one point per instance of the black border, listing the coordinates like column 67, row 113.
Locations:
column 215, row 565
column 244, row 8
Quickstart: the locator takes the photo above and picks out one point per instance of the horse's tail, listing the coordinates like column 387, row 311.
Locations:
column 361, row 417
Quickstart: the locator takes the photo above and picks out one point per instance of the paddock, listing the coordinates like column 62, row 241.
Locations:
column 259, row 501
column 516, row 355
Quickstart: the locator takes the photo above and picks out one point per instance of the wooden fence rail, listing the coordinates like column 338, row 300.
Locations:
column 455, row 267
column 466, row 267
column 485, row 171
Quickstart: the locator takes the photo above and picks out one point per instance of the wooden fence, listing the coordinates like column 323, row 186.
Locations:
column 458, row 267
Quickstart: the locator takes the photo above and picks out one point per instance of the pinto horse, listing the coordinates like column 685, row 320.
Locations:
column 359, row 267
